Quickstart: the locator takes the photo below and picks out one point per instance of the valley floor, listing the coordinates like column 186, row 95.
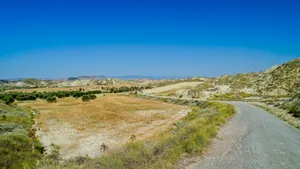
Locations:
column 79, row 128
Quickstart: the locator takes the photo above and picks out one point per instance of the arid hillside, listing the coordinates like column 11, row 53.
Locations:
column 31, row 83
column 278, row 81
column 281, row 80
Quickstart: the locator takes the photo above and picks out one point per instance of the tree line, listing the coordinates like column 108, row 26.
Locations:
column 10, row 97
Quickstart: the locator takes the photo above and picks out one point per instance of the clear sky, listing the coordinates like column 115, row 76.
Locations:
column 60, row 38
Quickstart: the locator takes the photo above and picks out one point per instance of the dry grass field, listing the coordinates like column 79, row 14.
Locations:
column 169, row 92
column 79, row 128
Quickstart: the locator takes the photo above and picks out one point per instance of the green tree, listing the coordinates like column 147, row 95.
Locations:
column 51, row 99
column 86, row 98
column 8, row 99
column 77, row 94
column 92, row 96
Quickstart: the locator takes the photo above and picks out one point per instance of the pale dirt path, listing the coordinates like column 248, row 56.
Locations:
column 253, row 139
column 172, row 87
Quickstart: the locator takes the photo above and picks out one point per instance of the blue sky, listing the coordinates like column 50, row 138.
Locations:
column 160, row 38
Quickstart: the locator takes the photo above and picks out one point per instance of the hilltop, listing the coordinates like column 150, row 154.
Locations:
column 282, row 80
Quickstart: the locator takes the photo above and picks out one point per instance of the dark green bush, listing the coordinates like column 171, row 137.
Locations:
column 86, row 98
column 77, row 94
column 92, row 96
column 295, row 110
column 8, row 99
column 51, row 99
column 26, row 96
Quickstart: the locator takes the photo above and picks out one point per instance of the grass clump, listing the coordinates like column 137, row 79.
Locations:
column 231, row 96
column 293, row 105
column 16, row 151
column 18, row 146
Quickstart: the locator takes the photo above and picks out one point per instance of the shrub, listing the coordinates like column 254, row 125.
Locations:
column 86, row 98
column 17, row 148
column 28, row 96
column 60, row 95
column 77, row 94
column 8, row 99
column 44, row 96
column 295, row 110
column 51, row 99
column 92, row 96
column 16, row 151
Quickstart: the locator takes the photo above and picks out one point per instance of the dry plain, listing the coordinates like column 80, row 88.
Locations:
column 79, row 128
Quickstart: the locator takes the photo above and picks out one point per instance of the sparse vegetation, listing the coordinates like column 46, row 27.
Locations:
column 282, row 80
column 169, row 82
column 196, row 92
column 32, row 81
column 238, row 81
column 169, row 92
column 293, row 105
column 231, row 96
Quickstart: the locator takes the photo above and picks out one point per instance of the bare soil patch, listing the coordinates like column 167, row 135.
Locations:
column 172, row 87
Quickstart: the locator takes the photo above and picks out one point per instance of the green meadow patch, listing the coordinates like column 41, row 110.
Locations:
column 18, row 146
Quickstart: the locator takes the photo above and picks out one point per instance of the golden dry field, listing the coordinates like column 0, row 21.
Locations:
column 169, row 92
column 79, row 128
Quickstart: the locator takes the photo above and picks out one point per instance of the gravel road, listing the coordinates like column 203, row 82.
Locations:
column 253, row 139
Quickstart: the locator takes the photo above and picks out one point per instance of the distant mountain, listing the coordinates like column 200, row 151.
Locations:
column 279, row 80
column 133, row 77
column 129, row 77
column 3, row 81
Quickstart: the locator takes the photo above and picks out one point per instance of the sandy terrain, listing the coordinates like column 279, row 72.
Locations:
column 80, row 128
column 172, row 87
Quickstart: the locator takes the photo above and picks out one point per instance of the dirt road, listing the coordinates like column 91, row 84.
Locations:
column 252, row 139
column 172, row 87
